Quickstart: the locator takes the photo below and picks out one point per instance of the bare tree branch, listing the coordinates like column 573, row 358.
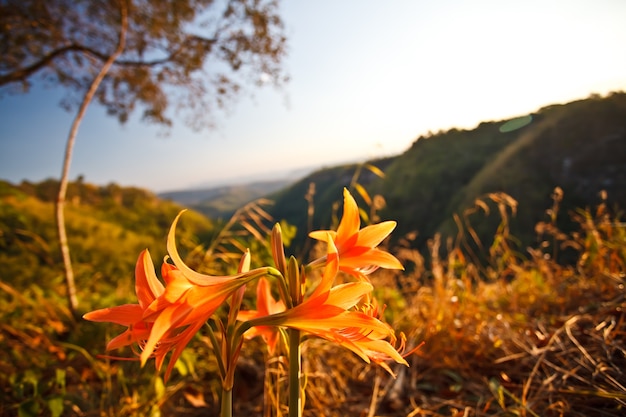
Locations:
column 20, row 74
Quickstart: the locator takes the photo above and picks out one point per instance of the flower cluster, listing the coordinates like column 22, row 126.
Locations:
column 167, row 316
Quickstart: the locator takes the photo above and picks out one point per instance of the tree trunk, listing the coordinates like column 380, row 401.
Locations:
column 69, row 147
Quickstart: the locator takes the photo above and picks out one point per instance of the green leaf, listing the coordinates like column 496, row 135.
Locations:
column 31, row 378
column 454, row 375
column 181, row 367
column 55, row 405
column 497, row 391
column 159, row 387
column 60, row 379
column 155, row 411
column 364, row 215
column 190, row 359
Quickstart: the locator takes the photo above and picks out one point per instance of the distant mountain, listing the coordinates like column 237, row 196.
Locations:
column 291, row 174
column 223, row 201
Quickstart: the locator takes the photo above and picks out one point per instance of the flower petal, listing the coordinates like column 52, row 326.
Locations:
column 348, row 295
column 166, row 321
column 193, row 276
column 323, row 235
column 187, row 335
column 381, row 346
column 375, row 257
column 373, row 234
column 128, row 337
column 147, row 285
column 330, row 271
column 125, row 315
column 350, row 221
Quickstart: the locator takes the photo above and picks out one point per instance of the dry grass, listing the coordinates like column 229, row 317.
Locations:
column 505, row 335
column 511, row 336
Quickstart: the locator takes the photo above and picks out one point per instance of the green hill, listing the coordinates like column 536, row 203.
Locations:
column 107, row 227
column 579, row 147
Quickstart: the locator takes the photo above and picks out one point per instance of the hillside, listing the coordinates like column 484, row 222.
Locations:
column 107, row 227
column 579, row 147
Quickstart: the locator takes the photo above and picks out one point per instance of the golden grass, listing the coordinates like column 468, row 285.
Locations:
column 506, row 334
column 514, row 335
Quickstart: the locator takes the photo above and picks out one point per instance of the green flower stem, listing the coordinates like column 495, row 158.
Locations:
column 216, row 350
column 293, row 282
column 227, row 403
column 284, row 291
column 295, row 399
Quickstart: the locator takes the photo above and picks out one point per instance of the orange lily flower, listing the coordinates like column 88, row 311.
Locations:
column 373, row 346
column 357, row 250
column 266, row 305
column 369, row 346
column 328, row 313
column 148, row 288
column 190, row 298
column 167, row 318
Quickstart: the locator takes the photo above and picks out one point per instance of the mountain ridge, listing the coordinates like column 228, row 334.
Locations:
column 579, row 147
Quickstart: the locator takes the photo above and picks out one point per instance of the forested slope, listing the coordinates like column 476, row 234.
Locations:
column 579, row 147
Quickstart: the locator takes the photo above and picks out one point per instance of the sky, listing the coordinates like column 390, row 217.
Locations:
column 367, row 79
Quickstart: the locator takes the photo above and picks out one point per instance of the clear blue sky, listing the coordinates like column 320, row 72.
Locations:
column 368, row 78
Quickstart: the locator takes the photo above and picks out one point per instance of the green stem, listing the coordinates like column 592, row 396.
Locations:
column 216, row 350
column 295, row 400
column 227, row 403
column 284, row 291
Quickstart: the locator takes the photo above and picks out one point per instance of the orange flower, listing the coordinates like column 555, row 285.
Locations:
column 190, row 298
column 357, row 250
column 166, row 318
column 369, row 345
column 148, row 288
column 372, row 346
column 329, row 313
column 266, row 305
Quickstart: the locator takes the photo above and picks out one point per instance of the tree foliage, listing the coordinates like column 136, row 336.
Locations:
column 192, row 56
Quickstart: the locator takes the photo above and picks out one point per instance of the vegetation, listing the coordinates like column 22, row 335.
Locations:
column 579, row 147
column 107, row 227
column 535, row 338
column 506, row 331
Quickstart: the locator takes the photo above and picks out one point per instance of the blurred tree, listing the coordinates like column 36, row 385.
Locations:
column 192, row 56
column 129, row 52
